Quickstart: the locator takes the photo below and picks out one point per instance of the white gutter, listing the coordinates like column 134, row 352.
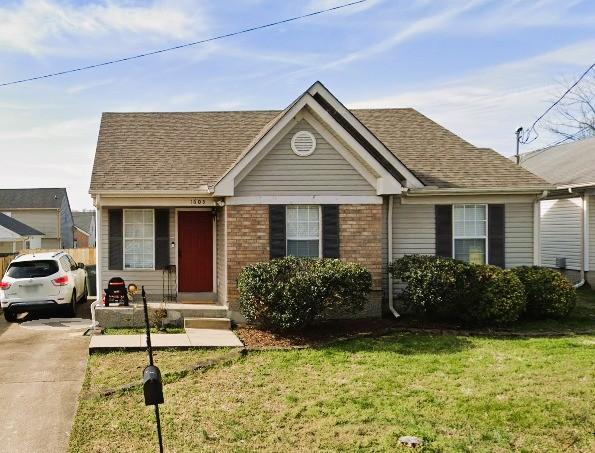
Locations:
column 474, row 191
column 537, row 228
column 390, row 256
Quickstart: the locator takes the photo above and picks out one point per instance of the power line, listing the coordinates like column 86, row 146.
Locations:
column 527, row 138
column 181, row 46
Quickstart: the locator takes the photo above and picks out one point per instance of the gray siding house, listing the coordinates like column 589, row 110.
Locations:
column 567, row 232
column 45, row 210
column 214, row 191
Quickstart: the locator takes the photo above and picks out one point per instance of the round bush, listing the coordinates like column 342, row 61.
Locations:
column 549, row 293
column 447, row 289
column 291, row 293
column 434, row 284
column 495, row 296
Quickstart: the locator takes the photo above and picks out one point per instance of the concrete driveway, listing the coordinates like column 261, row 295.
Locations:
column 41, row 374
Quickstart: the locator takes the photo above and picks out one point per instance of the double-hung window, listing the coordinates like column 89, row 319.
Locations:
column 139, row 238
column 303, row 230
column 470, row 233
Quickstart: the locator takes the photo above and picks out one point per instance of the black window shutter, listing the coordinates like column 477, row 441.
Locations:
column 330, row 231
column 161, row 238
column 443, row 230
column 115, row 240
column 496, row 234
column 277, row 236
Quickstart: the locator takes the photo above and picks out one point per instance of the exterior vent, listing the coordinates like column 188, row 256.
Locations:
column 303, row 143
column 561, row 262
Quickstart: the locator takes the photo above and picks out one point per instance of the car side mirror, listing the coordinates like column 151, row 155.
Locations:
column 80, row 265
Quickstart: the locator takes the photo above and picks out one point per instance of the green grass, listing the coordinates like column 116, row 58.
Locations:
column 138, row 330
column 458, row 393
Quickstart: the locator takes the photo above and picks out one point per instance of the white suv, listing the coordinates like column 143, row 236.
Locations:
column 36, row 281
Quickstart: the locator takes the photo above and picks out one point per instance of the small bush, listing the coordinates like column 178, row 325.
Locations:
column 549, row 293
column 291, row 293
column 446, row 289
column 434, row 284
column 494, row 296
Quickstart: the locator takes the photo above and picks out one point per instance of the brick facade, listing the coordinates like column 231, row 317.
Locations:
column 360, row 229
column 247, row 243
column 361, row 242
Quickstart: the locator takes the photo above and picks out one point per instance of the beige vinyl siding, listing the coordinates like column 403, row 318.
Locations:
column 221, row 257
column 518, row 234
column 49, row 243
column 324, row 172
column 414, row 229
column 151, row 279
column 560, row 234
column 45, row 220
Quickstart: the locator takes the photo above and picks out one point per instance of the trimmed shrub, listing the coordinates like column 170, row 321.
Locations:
column 549, row 293
column 447, row 289
column 434, row 284
column 494, row 296
column 292, row 293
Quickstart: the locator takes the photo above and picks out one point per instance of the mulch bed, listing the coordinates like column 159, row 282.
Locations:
column 324, row 333
column 339, row 330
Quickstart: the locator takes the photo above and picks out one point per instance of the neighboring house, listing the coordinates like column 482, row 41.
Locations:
column 211, row 192
column 46, row 210
column 567, row 213
column 15, row 236
column 84, row 229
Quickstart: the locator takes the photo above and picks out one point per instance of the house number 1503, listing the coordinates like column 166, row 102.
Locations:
column 198, row 201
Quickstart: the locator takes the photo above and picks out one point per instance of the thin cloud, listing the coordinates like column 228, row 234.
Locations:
column 48, row 27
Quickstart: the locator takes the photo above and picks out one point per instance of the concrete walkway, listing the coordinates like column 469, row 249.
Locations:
column 192, row 338
column 41, row 373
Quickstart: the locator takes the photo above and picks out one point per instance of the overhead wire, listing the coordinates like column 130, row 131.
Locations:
column 181, row 46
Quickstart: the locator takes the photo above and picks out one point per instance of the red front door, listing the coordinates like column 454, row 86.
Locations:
column 195, row 251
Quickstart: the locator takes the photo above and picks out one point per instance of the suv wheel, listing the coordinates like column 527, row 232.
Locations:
column 83, row 299
column 71, row 307
column 10, row 316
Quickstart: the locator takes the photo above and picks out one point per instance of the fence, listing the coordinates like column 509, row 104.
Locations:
column 82, row 255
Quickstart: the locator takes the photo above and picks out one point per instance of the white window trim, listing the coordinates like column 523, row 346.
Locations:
column 319, row 238
column 454, row 236
column 124, row 238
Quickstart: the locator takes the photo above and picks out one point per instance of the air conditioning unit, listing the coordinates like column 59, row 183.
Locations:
column 561, row 262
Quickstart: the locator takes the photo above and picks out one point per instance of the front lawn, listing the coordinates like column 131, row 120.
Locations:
column 457, row 393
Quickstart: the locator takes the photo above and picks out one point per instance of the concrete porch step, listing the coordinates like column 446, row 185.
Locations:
column 207, row 323
column 197, row 298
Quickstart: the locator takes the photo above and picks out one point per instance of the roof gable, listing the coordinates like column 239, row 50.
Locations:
column 191, row 151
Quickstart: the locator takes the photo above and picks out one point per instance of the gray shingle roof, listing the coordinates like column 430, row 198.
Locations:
column 18, row 227
column 182, row 151
column 82, row 219
column 568, row 164
column 31, row 198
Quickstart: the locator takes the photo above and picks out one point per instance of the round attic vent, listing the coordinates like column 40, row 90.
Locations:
column 303, row 143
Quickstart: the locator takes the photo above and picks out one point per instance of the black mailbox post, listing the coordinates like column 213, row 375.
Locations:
column 152, row 385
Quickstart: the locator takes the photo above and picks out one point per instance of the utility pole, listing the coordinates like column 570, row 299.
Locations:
column 518, row 133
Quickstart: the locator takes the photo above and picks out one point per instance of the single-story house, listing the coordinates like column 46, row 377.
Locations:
column 46, row 210
column 567, row 234
column 15, row 235
column 84, row 229
column 210, row 192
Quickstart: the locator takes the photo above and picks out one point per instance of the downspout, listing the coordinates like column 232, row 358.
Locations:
column 98, row 244
column 584, row 232
column 390, row 257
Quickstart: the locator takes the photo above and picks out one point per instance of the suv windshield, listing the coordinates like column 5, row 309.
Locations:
column 32, row 269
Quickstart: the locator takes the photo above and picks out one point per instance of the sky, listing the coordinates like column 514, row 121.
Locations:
column 480, row 68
